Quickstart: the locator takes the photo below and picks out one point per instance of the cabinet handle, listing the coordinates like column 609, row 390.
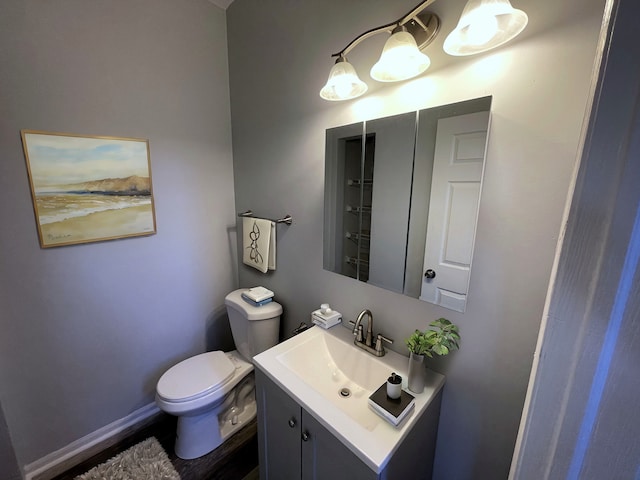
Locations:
column 305, row 436
column 292, row 422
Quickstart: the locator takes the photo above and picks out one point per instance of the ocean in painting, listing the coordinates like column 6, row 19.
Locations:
column 66, row 218
column 56, row 207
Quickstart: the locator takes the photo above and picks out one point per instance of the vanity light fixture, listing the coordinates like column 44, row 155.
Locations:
column 401, row 57
column 483, row 25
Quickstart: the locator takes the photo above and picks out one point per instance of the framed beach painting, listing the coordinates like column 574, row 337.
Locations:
column 89, row 189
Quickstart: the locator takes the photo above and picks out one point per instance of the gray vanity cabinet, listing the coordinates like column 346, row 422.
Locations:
column 325, row 457
column 279, row 431
column 294, row 445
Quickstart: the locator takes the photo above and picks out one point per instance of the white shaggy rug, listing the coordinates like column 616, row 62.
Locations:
column 145, row 461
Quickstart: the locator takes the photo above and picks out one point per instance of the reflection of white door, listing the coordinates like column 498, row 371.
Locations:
column 453, row 209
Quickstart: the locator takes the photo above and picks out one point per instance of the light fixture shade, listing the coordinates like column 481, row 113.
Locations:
column 343, row 82
column 483, row 25
column 400, row 59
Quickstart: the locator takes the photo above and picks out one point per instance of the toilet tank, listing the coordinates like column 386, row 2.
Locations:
column 254, row 329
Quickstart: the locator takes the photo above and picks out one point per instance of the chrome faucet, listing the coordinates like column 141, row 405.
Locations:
column 369, row 337
column 366, row 342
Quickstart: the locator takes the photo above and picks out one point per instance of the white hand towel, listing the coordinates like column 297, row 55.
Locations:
column 272, row 247
column 256, row 236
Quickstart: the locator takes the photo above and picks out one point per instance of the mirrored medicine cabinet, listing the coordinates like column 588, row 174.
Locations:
column 401, row 200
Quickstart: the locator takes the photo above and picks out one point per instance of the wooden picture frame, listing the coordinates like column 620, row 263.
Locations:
column 89, row 188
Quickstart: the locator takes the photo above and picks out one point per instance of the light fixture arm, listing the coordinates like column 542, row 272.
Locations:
column 369, row 33
column 412, row 15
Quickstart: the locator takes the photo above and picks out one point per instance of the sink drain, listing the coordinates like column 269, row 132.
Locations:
column 345, row 392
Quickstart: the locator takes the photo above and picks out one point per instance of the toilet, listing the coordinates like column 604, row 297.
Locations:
column 213, row 394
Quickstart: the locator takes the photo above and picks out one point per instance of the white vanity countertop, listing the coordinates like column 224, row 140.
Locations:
column 370, row 437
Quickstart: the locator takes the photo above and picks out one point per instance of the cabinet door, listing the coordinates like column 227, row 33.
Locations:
column 324, row 457
column 279, row 430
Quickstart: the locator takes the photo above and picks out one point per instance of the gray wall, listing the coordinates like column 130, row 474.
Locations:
column 279, row 59
column 87, row 330
column 8, row 463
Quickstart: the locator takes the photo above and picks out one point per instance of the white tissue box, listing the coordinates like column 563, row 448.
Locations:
column 326, row 320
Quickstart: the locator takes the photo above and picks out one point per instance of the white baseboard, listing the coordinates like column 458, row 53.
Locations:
column 76, row 452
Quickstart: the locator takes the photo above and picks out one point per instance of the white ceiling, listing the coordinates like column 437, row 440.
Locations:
column 221, row 3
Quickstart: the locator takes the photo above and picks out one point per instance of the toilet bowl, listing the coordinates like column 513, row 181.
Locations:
column 213, row 394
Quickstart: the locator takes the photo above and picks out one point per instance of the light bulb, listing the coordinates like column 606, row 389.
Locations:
column 481, row 31
column 342, row 87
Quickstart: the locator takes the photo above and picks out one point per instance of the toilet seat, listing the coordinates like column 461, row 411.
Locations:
column 195, row 377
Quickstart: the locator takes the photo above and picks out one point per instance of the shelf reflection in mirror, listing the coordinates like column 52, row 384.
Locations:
column 401, row 198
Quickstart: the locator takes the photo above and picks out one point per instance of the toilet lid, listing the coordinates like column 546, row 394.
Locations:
column 195, row 377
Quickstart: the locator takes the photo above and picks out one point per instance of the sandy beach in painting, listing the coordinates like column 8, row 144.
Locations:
column 101, row 225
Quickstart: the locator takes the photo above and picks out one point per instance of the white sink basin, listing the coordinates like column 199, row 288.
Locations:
column 339, row 371
column 317, row 366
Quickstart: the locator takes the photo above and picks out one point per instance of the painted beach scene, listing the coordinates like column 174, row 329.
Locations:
column 88, row 189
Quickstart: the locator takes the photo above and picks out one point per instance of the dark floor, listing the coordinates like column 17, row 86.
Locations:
column 235, row 459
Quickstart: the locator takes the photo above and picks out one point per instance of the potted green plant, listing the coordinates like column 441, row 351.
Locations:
column 441, row 338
